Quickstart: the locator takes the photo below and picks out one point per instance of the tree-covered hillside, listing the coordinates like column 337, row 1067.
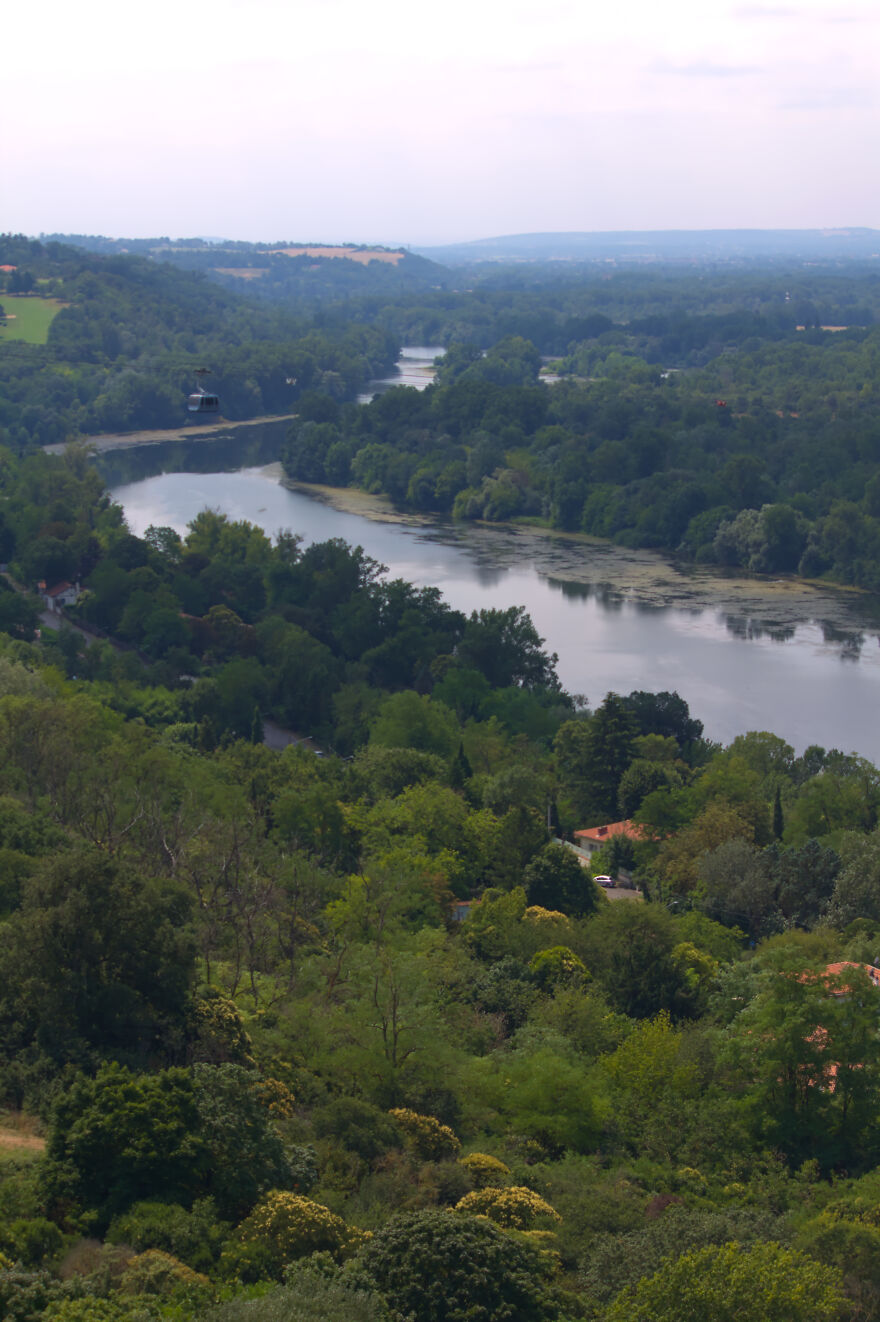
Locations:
column 348, row 1032
column 304, row 274
column 121, row 355
column 765, row 457
column 289, row 1036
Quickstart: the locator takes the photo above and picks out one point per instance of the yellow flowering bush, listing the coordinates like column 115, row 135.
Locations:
column 90, row 1308
column 425, row 1135
column 283, row 1227
column 691, row 1178
column 558, row 964
column 220, row 1031
column 486, row 1172
column 516, row 1208
column 276, row 1097
column 536, row 914
column 158, row 1273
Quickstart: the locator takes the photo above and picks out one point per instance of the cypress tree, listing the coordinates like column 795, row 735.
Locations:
column 461, row 770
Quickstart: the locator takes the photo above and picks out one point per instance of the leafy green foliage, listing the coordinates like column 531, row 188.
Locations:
column 439, row 1267
column 554, row 879
column 282, row 1228
column 195, row 1236
column 107, row 959
column 121, row 1138
column 668, row 1075
column 314, row 1292
column 765, row 1280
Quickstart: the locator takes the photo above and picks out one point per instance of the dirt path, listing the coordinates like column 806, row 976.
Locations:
column 186, row 432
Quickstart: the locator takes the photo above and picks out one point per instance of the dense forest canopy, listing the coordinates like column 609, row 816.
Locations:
column 121, row 356
column 737, row 426
column 348, row 1030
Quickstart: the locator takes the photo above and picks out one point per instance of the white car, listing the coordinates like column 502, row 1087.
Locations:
column 607, row 882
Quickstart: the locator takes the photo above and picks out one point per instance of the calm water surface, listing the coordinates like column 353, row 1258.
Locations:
column 415, row 367
column 814, row 687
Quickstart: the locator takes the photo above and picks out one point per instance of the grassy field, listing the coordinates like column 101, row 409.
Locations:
column 28, row 318
column 18, row 1138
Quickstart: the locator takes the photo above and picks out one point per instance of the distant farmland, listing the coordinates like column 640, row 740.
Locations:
column 362, row 255
column 28, row 318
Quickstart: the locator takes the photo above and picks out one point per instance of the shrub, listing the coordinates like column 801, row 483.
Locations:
column 25, row 1296
column 276, row 1097
column 441, row 1267
column 220, row 1034
column 310, row 1293
column 88, row 1308
column 516, row 1208
column 557, row 965
column 735, row 1283
column 536, row 913
column 425, row 1135
column 195, row 1237
column 158, row 1273
column 619, row 1256
column 281, row 1228
column 486, row 1172
column 31, row 1241
column 357, row 1126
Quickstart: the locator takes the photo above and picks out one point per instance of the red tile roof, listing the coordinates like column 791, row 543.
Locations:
column 834, row 970
column 600, row 834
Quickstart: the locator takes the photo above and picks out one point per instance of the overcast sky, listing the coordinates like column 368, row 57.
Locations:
column 390, row 122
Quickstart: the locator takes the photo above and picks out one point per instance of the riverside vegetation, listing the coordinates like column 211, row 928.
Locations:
column 277, row 1080
column 275, row 1077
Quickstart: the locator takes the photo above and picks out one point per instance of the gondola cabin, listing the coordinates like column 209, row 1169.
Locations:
column 203, row 405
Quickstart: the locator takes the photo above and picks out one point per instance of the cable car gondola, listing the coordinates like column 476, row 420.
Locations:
column 201, row 404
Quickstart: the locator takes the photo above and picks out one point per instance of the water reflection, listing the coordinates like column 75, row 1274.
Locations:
column 645, row 607
column 217, row 452
column 489, row 578
column 606, row 595
column 415, row 367
column 768, row 665
column 746, row 626
column 850, row 644
column 572, row 591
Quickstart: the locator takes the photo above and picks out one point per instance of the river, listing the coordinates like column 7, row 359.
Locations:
column 741, row 665
column 747, row 654
column 414, row 367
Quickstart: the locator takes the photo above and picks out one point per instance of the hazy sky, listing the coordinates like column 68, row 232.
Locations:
column 393, row 122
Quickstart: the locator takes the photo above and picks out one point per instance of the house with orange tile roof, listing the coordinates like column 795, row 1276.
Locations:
column 819, row 1037
column 834, row 971
column 595, row 838
column 59, row 595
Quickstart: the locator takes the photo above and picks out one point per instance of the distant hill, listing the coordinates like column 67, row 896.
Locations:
column 647, row 246
column 285, row 271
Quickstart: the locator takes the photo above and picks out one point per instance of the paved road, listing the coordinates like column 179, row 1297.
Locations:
column 52, row 620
